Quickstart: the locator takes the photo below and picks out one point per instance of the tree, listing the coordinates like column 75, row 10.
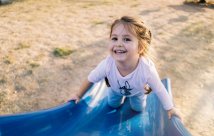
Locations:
column 202, row 1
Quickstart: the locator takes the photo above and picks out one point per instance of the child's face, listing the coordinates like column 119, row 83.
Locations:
column 123, row 44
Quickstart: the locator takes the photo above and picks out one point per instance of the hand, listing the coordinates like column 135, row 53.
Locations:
column 174, row 112
column 75, row 98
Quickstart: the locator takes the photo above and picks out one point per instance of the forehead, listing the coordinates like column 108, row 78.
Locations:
column 124, row 29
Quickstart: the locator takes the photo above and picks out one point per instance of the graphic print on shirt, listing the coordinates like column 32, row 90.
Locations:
column 125, row 90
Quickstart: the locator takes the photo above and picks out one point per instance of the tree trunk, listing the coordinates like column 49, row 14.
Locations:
column 2, row 2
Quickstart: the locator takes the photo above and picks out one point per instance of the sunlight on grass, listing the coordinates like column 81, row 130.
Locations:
column 200, row 31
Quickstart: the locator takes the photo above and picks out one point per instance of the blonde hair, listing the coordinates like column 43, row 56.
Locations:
column 138, row 28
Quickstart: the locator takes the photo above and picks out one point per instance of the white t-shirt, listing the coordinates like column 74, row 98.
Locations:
column 133, row 83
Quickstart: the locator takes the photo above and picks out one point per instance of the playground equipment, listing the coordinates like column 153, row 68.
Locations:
column 93, row 117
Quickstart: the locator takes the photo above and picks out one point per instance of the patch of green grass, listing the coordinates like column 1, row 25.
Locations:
column 8, row 59
column 22, row 45
column 29, row 72
column 2, row 96
column 97, row 3
column 87, row 5
column 19, row 87
column 191, row 1
column 106, row 2
column 62, row 52
column 34, row 64
column 98, row 22
column 2, row 81
column 134, row 5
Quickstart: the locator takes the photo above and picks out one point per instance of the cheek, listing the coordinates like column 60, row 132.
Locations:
column 133, row 49
column 110, row 46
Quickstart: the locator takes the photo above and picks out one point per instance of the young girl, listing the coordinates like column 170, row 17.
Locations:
column 127, row 68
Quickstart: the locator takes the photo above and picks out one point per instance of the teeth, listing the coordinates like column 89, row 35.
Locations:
column 119, row 51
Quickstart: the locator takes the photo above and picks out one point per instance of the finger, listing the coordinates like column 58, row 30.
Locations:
column 169, row 115
column 179, row 117
column 77, row 101
column 72, row 99
column 177, row 113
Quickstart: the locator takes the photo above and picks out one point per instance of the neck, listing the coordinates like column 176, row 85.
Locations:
column 126, row 68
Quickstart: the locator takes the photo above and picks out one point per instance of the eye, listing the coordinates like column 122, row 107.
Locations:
column 127, row 39
column 114, row 38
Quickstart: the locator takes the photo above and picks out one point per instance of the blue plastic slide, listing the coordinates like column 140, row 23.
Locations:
column 93, row 117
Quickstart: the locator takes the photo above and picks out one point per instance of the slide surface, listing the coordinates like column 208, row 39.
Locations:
column 93, row 117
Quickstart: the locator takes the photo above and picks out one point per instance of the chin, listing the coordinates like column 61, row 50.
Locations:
column 119, row 59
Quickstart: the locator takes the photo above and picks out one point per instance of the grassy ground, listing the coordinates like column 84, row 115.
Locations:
column 47, row 48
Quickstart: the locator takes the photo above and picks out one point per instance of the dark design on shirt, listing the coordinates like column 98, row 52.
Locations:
column 125, row 90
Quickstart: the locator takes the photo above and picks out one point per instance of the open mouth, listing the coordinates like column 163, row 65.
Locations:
column 119, row 51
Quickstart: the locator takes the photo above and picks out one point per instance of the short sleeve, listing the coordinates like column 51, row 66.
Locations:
column 98, row 73
column 158, row 88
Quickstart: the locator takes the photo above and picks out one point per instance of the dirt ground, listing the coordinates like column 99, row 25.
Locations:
column 33, row 78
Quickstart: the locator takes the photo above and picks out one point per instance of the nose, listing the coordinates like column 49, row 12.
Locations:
column 119, row 43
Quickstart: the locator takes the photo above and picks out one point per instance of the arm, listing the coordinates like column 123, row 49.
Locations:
column 95, row 76
column 158, row 88
column 156, row 85
column 84, row 87
column 174, row 112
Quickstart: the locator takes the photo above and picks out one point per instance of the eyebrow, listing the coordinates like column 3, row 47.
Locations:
column 126, row 35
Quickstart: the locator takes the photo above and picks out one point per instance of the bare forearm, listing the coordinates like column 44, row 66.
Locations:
column 85, row 86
